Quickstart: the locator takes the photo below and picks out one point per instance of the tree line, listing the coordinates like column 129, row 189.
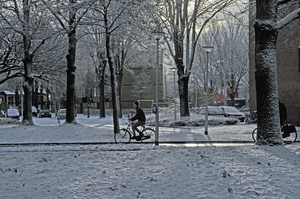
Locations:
column 39, row 41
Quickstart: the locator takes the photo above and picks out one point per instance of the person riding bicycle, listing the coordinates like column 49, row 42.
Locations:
column 282, row 113
column 287, row 129
column 140, row 116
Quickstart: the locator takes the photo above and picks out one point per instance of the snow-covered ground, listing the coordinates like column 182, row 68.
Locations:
column 97, row 170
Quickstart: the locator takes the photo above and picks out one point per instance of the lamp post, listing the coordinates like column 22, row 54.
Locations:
column 224, row 81
column 157, row 34
column 174, row 70
column 207, row 49
column 225, row 90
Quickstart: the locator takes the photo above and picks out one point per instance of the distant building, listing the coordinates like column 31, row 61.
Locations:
column 7, row 100
column 146, row 97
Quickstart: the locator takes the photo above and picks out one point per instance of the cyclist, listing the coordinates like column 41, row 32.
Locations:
column 282, row 113
column 282, row 117
column 141, row 120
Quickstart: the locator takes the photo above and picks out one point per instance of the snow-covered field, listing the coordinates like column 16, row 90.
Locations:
column 205, row 170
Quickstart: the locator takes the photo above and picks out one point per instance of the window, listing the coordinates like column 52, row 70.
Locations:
column 10, row 101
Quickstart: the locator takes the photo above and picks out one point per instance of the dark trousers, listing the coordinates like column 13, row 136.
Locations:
column 135, row 125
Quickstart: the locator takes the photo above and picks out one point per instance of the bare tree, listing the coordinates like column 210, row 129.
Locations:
column 116, row 18
column 26, row 31
column 141, row 84
column 231, row 55
column 69, row 16
column 11, row 65
column 111, row 21
column 88, row 84
column 267, row 26
column 96, row 48
column 185, row 21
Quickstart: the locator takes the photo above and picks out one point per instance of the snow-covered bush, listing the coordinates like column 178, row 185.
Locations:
column 4, row 121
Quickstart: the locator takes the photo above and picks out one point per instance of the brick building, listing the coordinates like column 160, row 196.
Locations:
column 146, row 97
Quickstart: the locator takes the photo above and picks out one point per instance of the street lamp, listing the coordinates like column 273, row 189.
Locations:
column 157, row 34
column 207, row 49
column 224, row 82
column 174, row 70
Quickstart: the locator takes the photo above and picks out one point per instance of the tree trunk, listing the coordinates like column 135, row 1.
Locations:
column 28, row 78
column 114, row 94
column 102, row 88
column 183, row 80
column 232, row 100
column 70, row 116
column 114, row 82
column 183, row 96
column 27, row 86
column 120, row 93
column 266, row 73
column 35, row 97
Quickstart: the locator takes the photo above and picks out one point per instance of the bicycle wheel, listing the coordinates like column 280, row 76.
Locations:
column 291, row 138
column 254, row 134
column 123, row 136
column 149, row 135
column 287, row 140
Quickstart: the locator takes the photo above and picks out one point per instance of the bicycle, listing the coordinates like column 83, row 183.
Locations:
column 125, row 134
column 289, row 134
column 251, row 118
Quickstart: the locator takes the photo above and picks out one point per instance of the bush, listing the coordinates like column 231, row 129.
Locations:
column 4, row 121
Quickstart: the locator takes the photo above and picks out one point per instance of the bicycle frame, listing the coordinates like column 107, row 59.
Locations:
column 129, row 127
column 126, row 135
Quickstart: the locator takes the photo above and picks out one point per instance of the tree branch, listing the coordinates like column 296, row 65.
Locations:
column 289, row 18
column 281, row 2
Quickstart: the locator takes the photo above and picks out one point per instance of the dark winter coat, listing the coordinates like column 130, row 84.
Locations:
column 139, row 115
column 282, row 113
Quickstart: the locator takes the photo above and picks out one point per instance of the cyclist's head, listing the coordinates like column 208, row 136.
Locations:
column 137, row 103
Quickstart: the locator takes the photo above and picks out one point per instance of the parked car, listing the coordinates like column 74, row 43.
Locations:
column 62, row 113
column 230, row 111
column 44, row 113
column 212, row 110
column 226, row 111
column 13, row 113
column 34, row 111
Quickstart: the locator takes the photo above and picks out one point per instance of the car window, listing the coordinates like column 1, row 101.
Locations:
column 215, row 110
column 12, row 111
column 229, row 109
column 212, row 110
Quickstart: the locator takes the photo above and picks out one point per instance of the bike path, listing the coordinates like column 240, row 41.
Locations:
column 93, row 133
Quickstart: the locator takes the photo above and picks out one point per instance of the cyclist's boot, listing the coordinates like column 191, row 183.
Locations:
column 134, row 137
column 284, row 135
column 139, row 137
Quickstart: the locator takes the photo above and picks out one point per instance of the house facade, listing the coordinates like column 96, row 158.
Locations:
column 7, row 100
column 10, row 99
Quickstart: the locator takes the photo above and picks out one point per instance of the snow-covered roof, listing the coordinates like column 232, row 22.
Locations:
column 9, row 92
